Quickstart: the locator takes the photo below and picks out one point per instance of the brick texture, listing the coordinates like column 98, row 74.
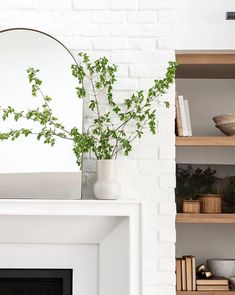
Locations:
column 138, row 35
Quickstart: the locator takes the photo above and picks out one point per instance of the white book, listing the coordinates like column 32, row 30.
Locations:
column 188, row 120
column 183, row 115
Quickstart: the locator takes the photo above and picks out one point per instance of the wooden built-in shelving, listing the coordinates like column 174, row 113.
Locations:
column 205, row 293
column 205, row 218
column 205, row 141
column 205, row 66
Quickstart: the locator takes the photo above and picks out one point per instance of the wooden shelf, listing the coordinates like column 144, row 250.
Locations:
column 205, row 292
column 205, row 218
column 206, row 141
column 205, row 66
column 205, row 58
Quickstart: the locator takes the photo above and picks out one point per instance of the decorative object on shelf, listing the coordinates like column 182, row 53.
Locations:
column 191, row 206
column 206, row 281
column 222, row 267
column 200, row 268
column 232, row 281
column 198, row 182
column 225, row 123
column 107, row 185
column 202, row 272
column 210, row 203
column 191, row 182
column 112, row 130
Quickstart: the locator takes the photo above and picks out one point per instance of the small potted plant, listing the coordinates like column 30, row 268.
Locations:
column 112, row 130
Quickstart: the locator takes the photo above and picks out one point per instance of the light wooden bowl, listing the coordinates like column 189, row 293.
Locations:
column 225, row 123
column 228, row 129
column 224, row 119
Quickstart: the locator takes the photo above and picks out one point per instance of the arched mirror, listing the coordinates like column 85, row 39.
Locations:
column 28, row 167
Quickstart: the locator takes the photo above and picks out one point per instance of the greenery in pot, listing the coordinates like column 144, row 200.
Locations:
column 183, row 182
column 111, row 131
column 191, row 182
column 205, row 181
column 229, row 193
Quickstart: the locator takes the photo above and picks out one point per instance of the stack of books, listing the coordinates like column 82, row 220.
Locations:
column 183, row 121
column 213, row 284
column 186, row 273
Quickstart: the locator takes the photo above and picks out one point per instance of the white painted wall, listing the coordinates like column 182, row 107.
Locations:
column 138, row 35
column 83, row 259
column 201, row 25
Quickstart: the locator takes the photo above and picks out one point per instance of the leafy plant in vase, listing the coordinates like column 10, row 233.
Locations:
column 112, row 131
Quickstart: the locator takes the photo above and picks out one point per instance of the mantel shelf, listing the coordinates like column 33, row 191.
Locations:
column 205, row 292
column 205, row 218
column 228, row 141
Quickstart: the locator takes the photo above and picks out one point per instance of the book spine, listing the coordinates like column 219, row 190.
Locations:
column 183, row 274
column 178, row 275
column 194, row 279
column 182, row 115
column 189, row 284
column 188, row 120
column 179, row 128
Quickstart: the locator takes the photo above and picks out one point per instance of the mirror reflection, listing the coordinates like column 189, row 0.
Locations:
column 30, row 168
column 19, row 50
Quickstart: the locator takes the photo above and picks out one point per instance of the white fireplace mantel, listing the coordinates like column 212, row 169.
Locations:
column 80, row 222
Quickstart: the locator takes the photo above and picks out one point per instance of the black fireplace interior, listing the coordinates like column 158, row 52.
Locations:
column 36, row 281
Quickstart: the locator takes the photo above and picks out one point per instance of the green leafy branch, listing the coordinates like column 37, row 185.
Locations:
column 111, row 131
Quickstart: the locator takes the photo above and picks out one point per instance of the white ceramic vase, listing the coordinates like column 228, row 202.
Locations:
column 107, row 185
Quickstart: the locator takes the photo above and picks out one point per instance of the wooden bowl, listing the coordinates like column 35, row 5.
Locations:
column 225, row 123
column 228, row 129
column 224, row 119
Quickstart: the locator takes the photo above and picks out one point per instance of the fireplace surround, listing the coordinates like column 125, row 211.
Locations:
column 100, row 241
column 36, row 281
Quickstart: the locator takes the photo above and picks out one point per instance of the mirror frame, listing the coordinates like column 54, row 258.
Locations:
column 42, row 32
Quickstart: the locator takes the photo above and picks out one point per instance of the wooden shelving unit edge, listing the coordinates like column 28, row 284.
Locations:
column 205, row 292
column 197, row 65
column 205, row 58
column 205, row 141
column 205, row 218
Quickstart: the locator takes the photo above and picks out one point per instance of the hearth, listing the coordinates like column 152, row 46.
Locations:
column 36, row 281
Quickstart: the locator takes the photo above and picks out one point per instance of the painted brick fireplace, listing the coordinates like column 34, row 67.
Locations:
column 138, row 36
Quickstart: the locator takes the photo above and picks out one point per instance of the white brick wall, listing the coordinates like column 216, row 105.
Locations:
column 138, row 35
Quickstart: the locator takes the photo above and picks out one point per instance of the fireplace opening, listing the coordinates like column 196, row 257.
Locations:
column 36, row 281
